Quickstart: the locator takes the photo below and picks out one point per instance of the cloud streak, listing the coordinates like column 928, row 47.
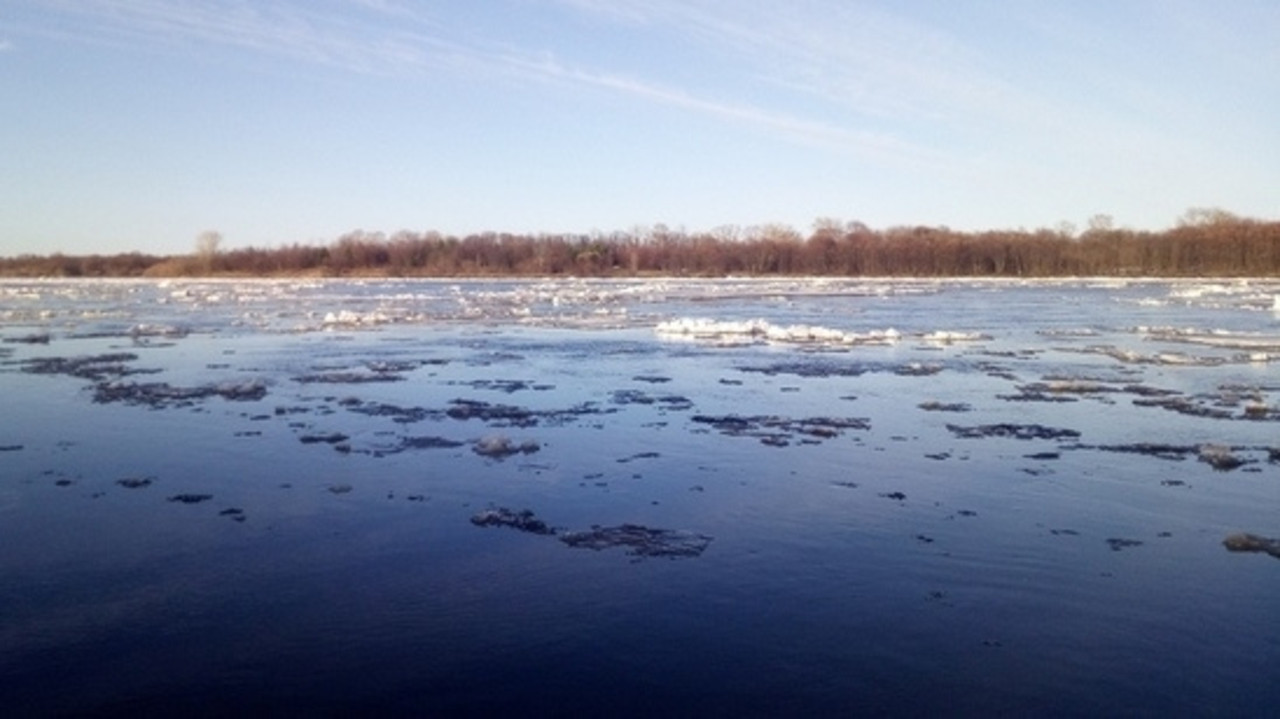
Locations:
column 867, row 144
column 877, row 84
column 863, row 59
column 358, row 39
column 386, row 37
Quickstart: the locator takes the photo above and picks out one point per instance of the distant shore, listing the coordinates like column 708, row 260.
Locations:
column 1206, row 244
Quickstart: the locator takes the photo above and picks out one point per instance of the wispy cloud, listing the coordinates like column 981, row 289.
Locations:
column 6, row 45
column 853, row 76
column 867, row 144
column 358, row 38
column 852, row 55
column 862, row 66
column 970, row 90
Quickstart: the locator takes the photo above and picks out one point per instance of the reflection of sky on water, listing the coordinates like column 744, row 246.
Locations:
column 991, row 585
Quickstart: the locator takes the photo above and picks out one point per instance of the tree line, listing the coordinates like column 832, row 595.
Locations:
column 1203, row 243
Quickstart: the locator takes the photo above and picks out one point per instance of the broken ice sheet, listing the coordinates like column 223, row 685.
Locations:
column 639, row 540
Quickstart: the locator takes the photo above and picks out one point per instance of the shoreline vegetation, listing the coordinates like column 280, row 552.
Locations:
column 1204, row 243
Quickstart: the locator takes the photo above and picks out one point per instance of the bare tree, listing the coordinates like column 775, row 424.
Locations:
column 207, row 243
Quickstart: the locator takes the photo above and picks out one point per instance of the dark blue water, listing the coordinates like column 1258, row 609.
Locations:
column 889, row 564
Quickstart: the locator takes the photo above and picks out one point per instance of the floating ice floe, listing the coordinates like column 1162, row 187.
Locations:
column 1245, row 542
column 347, row 318
column 1128, row 356
column 762, row 331
column 500, row 447
column 639, row 540
column 157, row 330
column 160, row 394
column 522, row 520
column 758, row 330
column 949, row 337
column 1225, row 339
column 1220, row 457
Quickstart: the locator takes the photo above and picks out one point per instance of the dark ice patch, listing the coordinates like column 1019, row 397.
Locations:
column 502, row 415
column 1220, row 457
column 1186, row 405
column 1030, row 396
column 502, row 447
column 35, row 338
column 158, row 395
column 1175, row 452
column 508, row 386
column 637, row 539
column 935, row 406
column 427, row 442
column 635, row 396
column 190, row 498
column 779, row 431
column 401, row 415
column 505, row 415
column 390, row 366
column 1012, row 431
column 97, row 368
column 323, row 438
column 404, row 444
column 522, row 520
column 640, row 541
column 813, row 369
column 348, row 378
column 1245, row 542
column 830, row 368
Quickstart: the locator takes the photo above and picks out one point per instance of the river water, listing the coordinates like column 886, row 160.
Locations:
column 730, row 497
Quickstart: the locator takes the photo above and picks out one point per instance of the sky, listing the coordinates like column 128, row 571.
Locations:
column 136, row 125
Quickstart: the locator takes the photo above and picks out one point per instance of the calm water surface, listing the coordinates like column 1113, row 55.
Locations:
column 808, row 497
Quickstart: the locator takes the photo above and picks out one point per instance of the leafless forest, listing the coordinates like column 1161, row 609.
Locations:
column 1204, row 242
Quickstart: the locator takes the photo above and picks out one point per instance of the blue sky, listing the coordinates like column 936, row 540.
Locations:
column 137, row 124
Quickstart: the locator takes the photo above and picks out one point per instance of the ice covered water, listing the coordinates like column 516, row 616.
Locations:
column 668, row 496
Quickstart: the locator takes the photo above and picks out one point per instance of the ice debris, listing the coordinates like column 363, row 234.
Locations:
column 522, row 520
column 1245, row 542
column 1014, row 431
column 190, row 498
column 161, row 394
column 500, row 447
column 759, row 330
column 98, row 368
column 778, row 431
column 640, row 541
column 1219, row 457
